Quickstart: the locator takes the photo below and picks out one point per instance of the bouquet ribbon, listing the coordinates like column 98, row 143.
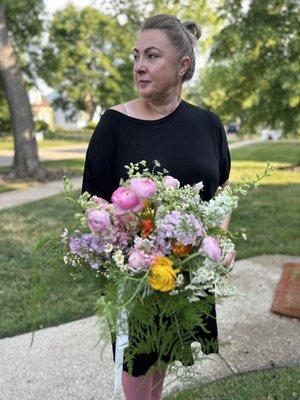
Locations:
column 121, row 343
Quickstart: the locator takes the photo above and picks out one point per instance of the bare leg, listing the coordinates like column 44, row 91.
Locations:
column 137, row 387
column 158, row 378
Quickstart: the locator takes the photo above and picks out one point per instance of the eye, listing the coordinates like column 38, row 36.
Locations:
column 151, row 56
column 135, row 57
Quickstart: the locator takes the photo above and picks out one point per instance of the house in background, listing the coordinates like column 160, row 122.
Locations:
column 41, row 107
column 57, row 118
column 70, row 120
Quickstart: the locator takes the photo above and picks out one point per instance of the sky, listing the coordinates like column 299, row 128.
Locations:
column 54, row 5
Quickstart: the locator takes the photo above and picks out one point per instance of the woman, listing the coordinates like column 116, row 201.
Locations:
column 188, row 141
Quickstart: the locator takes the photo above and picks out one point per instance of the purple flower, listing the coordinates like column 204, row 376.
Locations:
column 75, row 245
column 126, row 200
column 172, row 182
column 180, row 226
column 143, row 187
column 97, row 220
column 211, row 248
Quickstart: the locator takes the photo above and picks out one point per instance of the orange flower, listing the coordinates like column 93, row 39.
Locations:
column 180, row 249
column 147, row 226
column 162, row 275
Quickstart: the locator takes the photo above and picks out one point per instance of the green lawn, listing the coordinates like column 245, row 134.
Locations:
column 273, row 384
column 58, row 139
column 26, row 277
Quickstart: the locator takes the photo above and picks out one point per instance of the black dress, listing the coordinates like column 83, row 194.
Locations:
column 190, row 143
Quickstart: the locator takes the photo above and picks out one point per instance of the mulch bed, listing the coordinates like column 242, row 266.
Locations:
column 51, row 174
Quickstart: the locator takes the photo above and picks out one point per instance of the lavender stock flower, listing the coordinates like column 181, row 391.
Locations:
column 183, row 227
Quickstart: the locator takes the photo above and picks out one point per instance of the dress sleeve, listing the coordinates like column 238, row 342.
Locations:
column 98, row 175
column 225, row 160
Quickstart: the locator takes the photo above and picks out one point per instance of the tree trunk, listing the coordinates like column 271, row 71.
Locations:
column 26, row 162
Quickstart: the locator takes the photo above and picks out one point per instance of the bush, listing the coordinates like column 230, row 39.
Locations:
column 91, row 125
column 40, row 125
column 5, row 127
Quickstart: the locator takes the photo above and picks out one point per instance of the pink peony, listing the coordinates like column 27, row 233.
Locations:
column 229, row 259
column 138, row 261
column 211, row 248
column 143, row 187
column 97, row 220
column 126, row 200
column 172, row 182
column 101, row 202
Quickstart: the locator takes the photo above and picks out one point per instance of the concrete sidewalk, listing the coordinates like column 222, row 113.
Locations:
column 14, row 198
column 69, row 363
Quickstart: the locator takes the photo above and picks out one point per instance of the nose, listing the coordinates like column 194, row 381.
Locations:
column 139, row 66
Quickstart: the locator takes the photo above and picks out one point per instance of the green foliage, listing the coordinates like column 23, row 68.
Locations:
column 87, row 59
column 253, row 66
column 25, row 20
column 41, row 125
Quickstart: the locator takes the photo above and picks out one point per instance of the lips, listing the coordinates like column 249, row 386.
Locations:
column 141, row 81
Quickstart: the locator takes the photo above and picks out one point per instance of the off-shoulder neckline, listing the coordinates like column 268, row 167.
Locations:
column 120, row 114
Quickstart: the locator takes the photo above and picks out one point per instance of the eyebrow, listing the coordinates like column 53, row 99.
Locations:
column 149, row 48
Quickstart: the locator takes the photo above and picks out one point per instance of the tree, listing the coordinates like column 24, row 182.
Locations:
column 253, row 71
column 87, row 59
column 26, row 161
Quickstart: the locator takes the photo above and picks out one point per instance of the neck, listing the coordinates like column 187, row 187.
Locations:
column 163, row 107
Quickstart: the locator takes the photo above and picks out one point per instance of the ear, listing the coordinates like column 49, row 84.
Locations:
column 184, row 65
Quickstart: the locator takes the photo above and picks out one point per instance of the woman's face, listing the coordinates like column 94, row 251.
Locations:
column 156, row 66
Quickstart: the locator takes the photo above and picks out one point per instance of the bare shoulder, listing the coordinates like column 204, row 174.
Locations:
column 121, row 107
column 118, row 107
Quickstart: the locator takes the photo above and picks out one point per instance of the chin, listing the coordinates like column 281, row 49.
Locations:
column 145, row 94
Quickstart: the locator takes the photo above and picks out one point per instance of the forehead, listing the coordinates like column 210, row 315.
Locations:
column 152, row 37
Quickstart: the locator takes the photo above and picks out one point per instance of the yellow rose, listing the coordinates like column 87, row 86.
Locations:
column 162, row 276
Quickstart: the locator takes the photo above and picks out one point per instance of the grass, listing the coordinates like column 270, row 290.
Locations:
column 283, row 152
column 37, row 291
column 273, row 384
column 57, row 139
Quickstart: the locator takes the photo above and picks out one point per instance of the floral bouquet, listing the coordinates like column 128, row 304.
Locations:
column 161, row 256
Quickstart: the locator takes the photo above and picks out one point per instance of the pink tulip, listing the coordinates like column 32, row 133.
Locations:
column 211, row 248
column 143, row 187
column 126, row 200
column 172, row 182
column 97, row 220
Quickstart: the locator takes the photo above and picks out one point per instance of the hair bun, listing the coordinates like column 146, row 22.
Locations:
column 194, row 28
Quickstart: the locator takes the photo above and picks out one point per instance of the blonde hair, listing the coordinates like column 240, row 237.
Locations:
column 183, row 36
